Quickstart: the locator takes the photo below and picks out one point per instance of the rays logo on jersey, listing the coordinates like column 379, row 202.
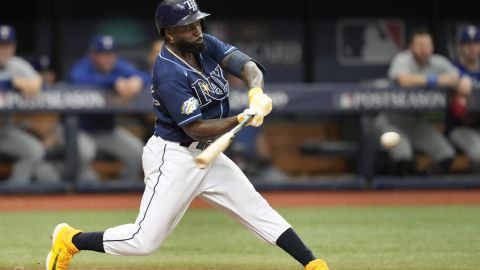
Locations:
column 189, row 106
column 216, row 87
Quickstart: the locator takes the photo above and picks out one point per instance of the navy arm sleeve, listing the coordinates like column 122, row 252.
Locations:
column 125, row 69
column 218, row 50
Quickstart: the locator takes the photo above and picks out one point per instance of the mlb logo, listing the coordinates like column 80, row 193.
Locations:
column 369, row 41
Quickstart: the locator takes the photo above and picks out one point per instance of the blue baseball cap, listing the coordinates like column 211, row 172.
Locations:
column 7, row 34
column 470, row 33
column 103, row 43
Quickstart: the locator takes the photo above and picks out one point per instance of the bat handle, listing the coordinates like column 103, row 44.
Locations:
column 244, row 122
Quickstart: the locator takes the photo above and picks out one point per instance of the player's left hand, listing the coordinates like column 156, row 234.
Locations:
column 464, row 86
column 260, row 101
column 257, row 119
column 30, row 88
column 127, row 88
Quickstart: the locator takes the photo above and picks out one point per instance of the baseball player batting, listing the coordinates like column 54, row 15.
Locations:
column 190, row 94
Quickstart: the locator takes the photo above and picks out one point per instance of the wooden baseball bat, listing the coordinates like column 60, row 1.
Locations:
column 218, row 146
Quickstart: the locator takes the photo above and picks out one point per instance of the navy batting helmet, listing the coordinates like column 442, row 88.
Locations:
column 177, row 13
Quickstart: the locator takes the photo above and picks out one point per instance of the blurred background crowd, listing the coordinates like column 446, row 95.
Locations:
column 111, row 46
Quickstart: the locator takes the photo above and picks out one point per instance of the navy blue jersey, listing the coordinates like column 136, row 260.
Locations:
column 452, row 122
column 182, row 94
column 474, row 75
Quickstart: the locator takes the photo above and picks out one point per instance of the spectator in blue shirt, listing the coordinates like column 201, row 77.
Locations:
column 468, row 61
column 461, row 128
column 103, row 69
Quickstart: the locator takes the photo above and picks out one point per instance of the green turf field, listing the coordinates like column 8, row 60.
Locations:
column 348, row 238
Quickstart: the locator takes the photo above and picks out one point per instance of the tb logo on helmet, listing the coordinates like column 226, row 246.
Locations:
column 192, row 5
column 177, row 13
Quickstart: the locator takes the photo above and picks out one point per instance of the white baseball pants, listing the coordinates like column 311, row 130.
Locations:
column 172, row 181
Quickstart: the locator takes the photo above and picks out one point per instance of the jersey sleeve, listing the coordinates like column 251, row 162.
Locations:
column 125, row 69
column 461, row 70
column 398, row 66
column 80, row 73
column 178, row 99
column 23, row 68
column 216, row 48
column 79, row 76
column 445, row 66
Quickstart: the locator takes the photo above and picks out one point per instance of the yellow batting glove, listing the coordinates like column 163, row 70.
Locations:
column 260, row 101
column 254, row 91
column 256, row 121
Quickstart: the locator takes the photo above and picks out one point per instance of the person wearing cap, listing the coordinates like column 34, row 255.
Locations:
column 462, row 129
column 468, row 62
column 418, row 66
column 102, row 68
column 16, row 74
column 44, row 65
column 190, row 70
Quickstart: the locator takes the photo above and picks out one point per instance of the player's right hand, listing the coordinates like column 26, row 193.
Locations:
column 464, row 86
column 257, row 119
column 448, row 80
column 29, row 87
column 260, row 101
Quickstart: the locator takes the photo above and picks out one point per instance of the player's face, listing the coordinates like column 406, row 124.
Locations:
column 7, row 50
column 470, row 51
column 188, row 38
column 104, row 61
column 422, row 48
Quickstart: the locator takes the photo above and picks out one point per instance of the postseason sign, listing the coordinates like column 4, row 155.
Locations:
column 288, row 99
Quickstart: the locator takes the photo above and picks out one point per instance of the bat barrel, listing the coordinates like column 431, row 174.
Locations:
column 202, row 163
column 205, row 158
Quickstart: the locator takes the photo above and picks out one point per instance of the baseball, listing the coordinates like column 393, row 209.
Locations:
column 389, row 139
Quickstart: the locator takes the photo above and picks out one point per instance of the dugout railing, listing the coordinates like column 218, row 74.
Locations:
column 315, row 102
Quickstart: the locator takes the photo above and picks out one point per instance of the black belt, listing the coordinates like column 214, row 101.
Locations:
column 197, row 145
